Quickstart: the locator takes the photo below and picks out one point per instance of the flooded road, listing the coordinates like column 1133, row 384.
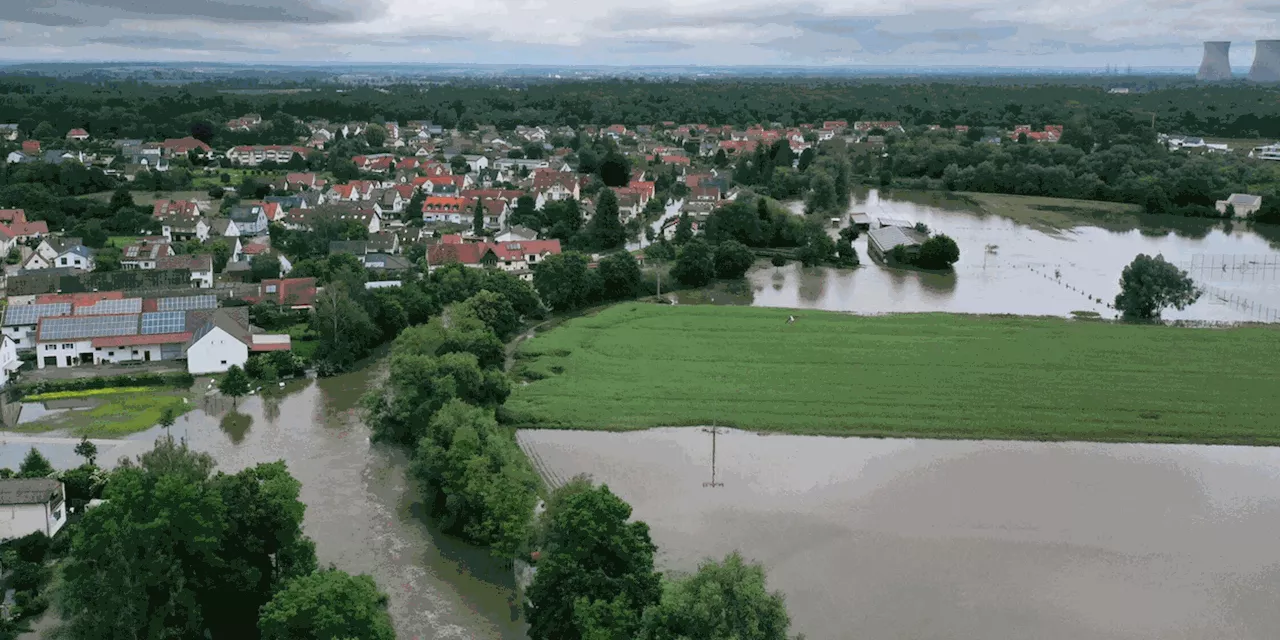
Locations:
column 963, row 540
column 362, row 511
column 1009, row 267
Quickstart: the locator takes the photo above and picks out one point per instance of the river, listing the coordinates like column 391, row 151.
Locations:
column 362, row 511
column 962, row 540
column 1030, row 270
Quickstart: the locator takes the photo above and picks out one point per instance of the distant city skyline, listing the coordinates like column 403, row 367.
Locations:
column 979, row 33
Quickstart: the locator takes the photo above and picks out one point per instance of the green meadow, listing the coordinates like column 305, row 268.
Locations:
column 638, row 365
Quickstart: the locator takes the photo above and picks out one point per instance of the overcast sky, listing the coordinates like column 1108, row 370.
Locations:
column 1047, row 33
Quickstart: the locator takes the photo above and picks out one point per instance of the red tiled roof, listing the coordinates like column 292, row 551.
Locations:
column 254, row 249
column 295, row 292
column 141, row 340
column 406, row 191
column 35, row 227
column 183, row 145
column 472, row 253
column 79, row 299
column 10, row 216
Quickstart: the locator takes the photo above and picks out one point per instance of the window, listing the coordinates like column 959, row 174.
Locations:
column 271, row 288
column 68, row 345
column 50, row 347
column 17, row 340
column 135, row 352
column 224, row 362
column 111, row 353
column 63, row 261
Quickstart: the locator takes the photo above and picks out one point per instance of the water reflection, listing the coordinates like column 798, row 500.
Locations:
column 963, row 540
column 235, row 425
column 1009, row 267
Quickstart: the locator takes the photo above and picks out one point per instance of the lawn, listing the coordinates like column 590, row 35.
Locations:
column 1053, row 213
column 113, row 414
column 638, row 365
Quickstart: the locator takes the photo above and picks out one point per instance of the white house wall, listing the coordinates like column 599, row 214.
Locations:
column 215, row 352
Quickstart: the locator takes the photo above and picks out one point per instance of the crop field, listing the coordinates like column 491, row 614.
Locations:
column 1052, row 214
column 638, row 365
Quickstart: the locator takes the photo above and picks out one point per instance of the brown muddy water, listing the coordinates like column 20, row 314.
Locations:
column 962, row 540
column 362, row 511
column 1010, row 267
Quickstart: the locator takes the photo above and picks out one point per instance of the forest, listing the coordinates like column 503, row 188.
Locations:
column 137, row 110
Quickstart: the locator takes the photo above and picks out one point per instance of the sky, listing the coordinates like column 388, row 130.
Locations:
column 1020, row 33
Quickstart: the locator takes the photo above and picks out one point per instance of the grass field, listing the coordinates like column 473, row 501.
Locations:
column 639, row 365
column 116, row 413
column 1053, row 213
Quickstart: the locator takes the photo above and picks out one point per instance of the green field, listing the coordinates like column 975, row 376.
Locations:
column 115, row 412
column 638, row 365
column 1054, row 213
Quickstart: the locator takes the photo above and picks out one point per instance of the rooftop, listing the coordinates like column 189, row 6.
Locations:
column 28, row 490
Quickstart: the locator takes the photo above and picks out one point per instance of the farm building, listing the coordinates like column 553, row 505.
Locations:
column 28, row 505
column 880, row 242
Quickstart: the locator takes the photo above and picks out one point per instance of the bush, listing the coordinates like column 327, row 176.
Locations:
column 29, row 576
column 33, row 547
column 938, row 252
column 180, row 380
column 29, row 604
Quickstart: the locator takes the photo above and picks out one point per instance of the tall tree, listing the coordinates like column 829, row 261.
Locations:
column 596, row 571
column 413, row 210
column 619, row 276
column 733, row 259
column 605, row 229
column 34, row 465
column 723, row 601
column 564, row 281
column 1150, row 284
column 615, row 170
column 235, row 383
column 344, row 327
column 477, row 218
column 327, row 605
column 87, row 450
column 684, row 229
column 696, row 266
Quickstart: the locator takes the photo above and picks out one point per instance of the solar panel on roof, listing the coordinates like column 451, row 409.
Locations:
column 31, row 313
column 82, row 327
column 103, row 307
column 187, row 303
column 164, row 322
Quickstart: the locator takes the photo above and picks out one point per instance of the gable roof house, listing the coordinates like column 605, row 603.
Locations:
column 183, row 146
column 1243, row 204
column 549, row 185
column 250, row 219
column 181, row 228
column 78, row 134
column 144, row 255
column 30, row 505
column 164, row 208
column 201, row 268
column 295, row 293
column 515, row 257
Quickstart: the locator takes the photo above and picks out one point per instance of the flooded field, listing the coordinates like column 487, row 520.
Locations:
column 962, row 540
column 362, row 510
column 1007, row 266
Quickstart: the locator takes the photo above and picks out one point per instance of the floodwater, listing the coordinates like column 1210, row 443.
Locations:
column 1007, row 267
column 363, row 512
column 962, row 540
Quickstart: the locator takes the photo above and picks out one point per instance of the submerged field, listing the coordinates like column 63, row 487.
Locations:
column 107, row 413
column 1054, row 213
column 638, row 365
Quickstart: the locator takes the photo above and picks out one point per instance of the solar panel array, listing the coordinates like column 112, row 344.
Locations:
column 104, row 307
column 84, row 327
column 30, row 313
column 156, row 322
column 187, row 303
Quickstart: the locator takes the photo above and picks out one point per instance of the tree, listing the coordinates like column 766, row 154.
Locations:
column 34, row 465
column 477, row 218
column 330, row 605
column 733, row 259
column 459, row 165
column 87, row 450
column 564, row 281
column 723, row 601
column 375, row 135
column 495, row 311
column 44, row 131
column 166, row 420
column 806, row 158
column 605, row 229
column 721, row 159
column 343, row 169
column 596, row 571
column 235, row 383
column 221, row 252
column 695, row 267
column 619, row 276
column 938, row 252
column 176, row 552
column 846, row 254
column 615, row 171
column 122, row 198
column 344, row 327
column 526, row 214
column 413, row 210
column 1150, row 284
column 817, row 248
column 822, row 194
column 264, row 266
column 684, row 229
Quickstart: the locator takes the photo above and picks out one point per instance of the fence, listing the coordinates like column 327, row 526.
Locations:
column 1253, row 310
column 1232, row 266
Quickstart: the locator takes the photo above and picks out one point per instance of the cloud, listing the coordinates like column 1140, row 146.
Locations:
column 180, row 42
column 708, row 32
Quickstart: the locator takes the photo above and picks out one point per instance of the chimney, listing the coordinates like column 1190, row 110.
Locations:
column 1266, row 62
column 1216, row 65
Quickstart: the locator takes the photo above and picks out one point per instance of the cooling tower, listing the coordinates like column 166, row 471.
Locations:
column 1266, row 62
column 1216, row 64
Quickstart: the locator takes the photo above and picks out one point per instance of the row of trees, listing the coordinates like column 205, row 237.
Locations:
column 178, row 551
column 595, row 579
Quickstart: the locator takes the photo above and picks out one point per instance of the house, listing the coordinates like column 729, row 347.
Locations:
column 223, row 228
column 860, row 221
column 477, row 163
column 30, row 505
column 183, row 146
column 219, row 344
column 31, row 147
column 164, row 208
column 9, row 362
column 201, row 268
column 551, row 186
column 515, row 257
column 250, row 219
column 386, row 262
column 51, row 246
column 78, row 134
column 9, row 132
column 143, row 255
column 20, row 321
column 516, row 234
column 182, row 228
column 16, row 223
column 294, row 293
column 449, row 209
column 881, row 242
column 1242, row 204
column 255, row 249
column 254, row 155
column 75, row 257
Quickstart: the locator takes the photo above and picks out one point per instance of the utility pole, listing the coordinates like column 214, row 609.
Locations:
column 713, row 484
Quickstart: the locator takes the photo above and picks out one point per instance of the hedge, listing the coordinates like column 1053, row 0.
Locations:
column 175, row 379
